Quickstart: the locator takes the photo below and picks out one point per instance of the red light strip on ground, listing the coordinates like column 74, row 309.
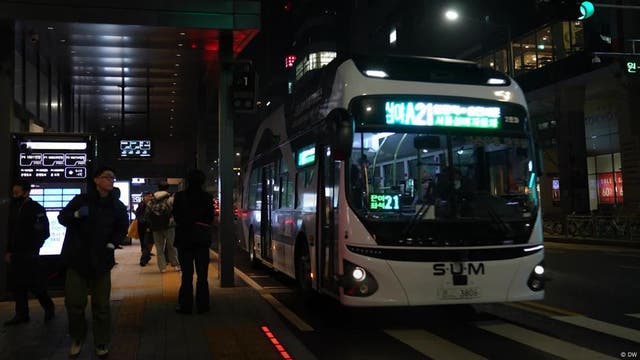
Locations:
column 285, row 355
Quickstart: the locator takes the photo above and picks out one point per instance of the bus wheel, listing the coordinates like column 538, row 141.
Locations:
column 252, row 251
column 303, row 269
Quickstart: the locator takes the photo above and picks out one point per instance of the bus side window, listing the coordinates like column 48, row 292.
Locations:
column 281, row 194
column 308, row 177
column 295, row 192
column 287, row 192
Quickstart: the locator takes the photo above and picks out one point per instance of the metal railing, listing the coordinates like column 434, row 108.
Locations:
column 594, row 227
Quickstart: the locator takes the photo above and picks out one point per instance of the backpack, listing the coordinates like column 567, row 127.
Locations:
column 159, row 214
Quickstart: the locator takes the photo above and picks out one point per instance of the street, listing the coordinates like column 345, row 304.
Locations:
column 591, row 311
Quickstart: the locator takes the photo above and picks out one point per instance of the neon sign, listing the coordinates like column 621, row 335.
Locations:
column 410, row 113
column 384, row 202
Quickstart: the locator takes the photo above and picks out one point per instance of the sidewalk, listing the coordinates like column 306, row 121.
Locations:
column 591, row 241
column 145, row 325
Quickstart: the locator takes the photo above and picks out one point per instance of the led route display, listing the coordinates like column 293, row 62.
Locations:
column 384, row 201
column 415, row 113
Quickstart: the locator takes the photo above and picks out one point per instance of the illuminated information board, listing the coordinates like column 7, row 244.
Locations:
column 416, row 113
column 384, row 201
column 135, row 149
column 52, row 160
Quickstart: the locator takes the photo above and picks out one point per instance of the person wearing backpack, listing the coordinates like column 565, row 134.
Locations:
column 146, row 238
column 158, row 216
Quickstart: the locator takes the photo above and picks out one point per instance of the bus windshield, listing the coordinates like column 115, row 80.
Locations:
column 415, row 178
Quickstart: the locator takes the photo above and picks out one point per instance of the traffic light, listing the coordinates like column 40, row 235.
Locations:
column 243, row 88
column 586, row 10
column 574, row 10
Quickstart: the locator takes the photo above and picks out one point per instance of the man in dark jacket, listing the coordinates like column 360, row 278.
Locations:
column 96, row 224
column 28, row 229
column 193, row 214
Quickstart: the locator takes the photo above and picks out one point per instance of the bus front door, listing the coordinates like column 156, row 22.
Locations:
column 268, row 181
column 328, row 190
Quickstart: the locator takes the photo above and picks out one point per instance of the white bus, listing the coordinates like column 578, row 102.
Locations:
column 398, row 181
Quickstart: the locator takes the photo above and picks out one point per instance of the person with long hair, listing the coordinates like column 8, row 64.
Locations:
column 193, row 215
column 96, row 223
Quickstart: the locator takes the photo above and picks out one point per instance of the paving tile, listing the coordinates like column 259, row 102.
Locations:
column 145, row 325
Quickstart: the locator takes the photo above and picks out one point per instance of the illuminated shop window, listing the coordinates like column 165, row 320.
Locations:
column 605, row 180
column 544, row 47
column 538, row 48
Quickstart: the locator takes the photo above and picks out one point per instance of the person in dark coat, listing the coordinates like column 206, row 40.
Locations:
column 96, row 223
column 28, row 229
column 193, row 214
column 144, row 229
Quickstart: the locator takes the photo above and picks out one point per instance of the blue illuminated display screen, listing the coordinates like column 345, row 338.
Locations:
column 384, row 201
column 53, row 197
column 417, row 113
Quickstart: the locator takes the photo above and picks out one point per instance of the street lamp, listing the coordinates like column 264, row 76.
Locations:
column 452, row 15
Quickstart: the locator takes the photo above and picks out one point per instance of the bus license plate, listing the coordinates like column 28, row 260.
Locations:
column 459, row 293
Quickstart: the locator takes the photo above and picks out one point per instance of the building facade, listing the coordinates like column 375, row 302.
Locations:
column 580, row 78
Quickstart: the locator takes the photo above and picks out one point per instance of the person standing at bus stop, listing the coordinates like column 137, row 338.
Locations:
column 28, row 229
column 193, row 214
column 144, row 231
column 158, row 215
column 96, row 223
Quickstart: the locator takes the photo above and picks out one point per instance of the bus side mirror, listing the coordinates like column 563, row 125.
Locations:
column 340, row 133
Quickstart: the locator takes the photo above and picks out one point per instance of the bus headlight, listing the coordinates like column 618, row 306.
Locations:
column 358, row 274
column 536, row 278
column 357, row 281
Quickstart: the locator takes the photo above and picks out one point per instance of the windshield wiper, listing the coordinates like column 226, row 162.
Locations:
column 502, row 226
column 424, row 208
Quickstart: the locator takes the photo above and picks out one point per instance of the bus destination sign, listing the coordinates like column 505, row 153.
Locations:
column 384, row 201
column 416, row 113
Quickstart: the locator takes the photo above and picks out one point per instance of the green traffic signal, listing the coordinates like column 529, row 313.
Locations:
column 586, row 10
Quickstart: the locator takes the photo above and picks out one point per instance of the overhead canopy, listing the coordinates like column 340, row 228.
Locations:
column 159, row 50
column 204, row 14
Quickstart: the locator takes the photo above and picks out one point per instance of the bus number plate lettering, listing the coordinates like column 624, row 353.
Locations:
column 459, row 293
